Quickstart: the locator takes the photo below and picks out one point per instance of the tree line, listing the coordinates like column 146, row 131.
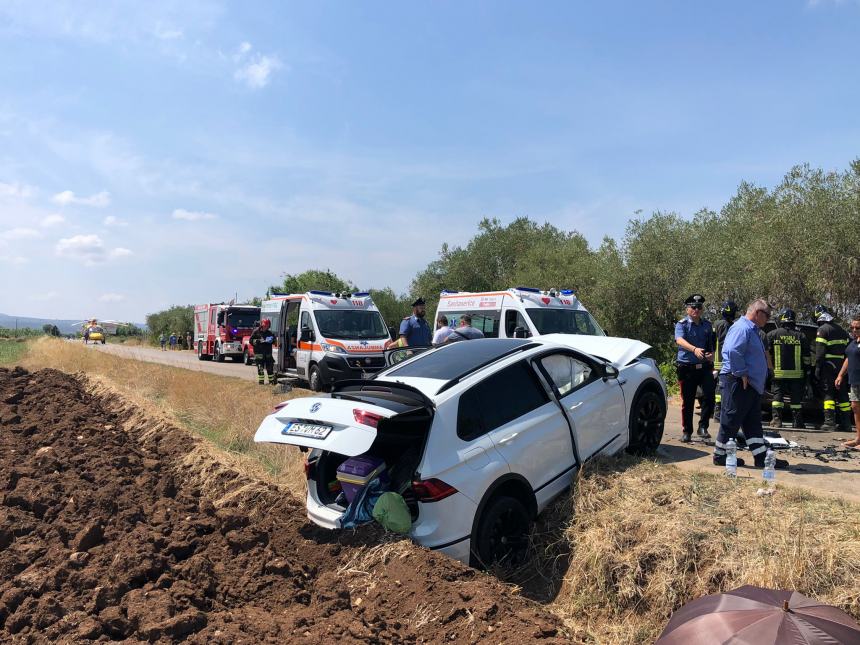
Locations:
column 795, row 245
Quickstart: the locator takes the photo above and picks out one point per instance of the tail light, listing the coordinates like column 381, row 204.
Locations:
column 279, row 407
column 432, row 490
column 367, row 418
column 310, row 468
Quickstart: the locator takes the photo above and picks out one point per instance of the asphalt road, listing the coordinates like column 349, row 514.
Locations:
column 820, row 463
column 179, row 358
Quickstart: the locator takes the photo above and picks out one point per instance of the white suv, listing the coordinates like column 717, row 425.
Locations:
column 481, row 435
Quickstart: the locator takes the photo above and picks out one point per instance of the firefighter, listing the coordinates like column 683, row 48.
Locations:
column 262, row 340
column 695, row 337
column 789, row 351
column 728, row 312
column 830, row 343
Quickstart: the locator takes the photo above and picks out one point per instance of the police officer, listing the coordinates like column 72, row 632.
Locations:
column 789, row 352
column 830, row 343
column 695, row 337
column 262, row 340
column 728, row 311
column 414, row 330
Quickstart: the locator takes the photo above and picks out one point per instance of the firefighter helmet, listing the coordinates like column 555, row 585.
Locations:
column 787, row 317
column 729, row 309
column 265, row 323
column 822, row 314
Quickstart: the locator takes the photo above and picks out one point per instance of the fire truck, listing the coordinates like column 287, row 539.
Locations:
column 219, row 328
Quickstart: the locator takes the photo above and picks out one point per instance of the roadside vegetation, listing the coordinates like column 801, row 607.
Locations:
column 636, row 539
column 12, row 350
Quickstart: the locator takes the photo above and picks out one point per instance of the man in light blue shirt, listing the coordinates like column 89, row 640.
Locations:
column 742, row 378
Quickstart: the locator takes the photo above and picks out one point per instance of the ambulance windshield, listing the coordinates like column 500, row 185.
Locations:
column 564, row 321
column 349, row 324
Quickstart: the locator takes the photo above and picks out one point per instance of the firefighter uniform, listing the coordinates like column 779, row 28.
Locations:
column 789, row 351
column 830, row 343
column 262, row 340
column 728, row 311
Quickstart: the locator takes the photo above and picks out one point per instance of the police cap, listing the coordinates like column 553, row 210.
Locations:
column 419, row 303
column 696, row 300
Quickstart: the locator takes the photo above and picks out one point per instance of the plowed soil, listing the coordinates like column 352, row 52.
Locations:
column 116, row 526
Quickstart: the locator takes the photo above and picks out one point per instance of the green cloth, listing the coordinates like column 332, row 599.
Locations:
column 392, row 513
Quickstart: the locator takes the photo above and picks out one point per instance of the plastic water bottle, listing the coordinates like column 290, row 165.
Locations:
column 769, row 472
column 731, row 458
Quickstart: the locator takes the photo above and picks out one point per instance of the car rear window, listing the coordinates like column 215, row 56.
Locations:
column 456, row 359
column 499, row 399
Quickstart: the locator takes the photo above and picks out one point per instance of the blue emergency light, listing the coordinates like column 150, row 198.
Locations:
column 361, row 294
column 321, row 293
column 529, row 289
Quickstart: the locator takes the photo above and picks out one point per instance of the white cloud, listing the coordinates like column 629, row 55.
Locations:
column 111, row 297
column 89, row 249
column 191, row 216
column 20, row 233
column 242, row 51
column 99, row 200
column 112, row 220
column 16, row 189
column 54, row 219
column 163, row 32
column 257, row 72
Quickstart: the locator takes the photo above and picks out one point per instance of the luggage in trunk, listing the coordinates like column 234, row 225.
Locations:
column 356, row 472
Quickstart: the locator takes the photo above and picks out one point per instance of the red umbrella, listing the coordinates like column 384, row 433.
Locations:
column 755, row 616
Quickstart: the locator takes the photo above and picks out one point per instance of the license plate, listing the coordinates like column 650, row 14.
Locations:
column 309, row 430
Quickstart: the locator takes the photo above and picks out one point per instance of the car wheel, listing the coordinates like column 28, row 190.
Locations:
column 218, row 356
column 246, row 357
column 315, row 379
column 200, row 356
column 646, row 423
column 502, row 536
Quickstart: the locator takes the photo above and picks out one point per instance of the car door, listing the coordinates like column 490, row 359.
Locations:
column 525, row 425
column 303, row 354
column 594, row 404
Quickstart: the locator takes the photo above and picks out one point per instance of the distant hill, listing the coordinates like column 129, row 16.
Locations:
column 65, row 326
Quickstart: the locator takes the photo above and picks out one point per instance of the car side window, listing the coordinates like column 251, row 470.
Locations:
column 306, row 320
column 567, row 373
column 514, row 319
column 499, row 399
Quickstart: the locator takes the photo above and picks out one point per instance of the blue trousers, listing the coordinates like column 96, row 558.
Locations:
column 741, row 408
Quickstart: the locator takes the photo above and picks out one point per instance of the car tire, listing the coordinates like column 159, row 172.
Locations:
column 502, row 534
column 647, row 418
column 218, row 356
column 246, row 357
column 315, row 379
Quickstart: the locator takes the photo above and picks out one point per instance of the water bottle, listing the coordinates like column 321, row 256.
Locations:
column 769, row 472
column 731, row 458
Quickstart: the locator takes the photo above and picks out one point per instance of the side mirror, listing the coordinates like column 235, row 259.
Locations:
column 610, row 371
column 220, row 319
column 307, row 335
column 522, row 332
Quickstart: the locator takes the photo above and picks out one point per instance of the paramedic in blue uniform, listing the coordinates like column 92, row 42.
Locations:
column 695, row 339
column 415, row 330
column 743, row 375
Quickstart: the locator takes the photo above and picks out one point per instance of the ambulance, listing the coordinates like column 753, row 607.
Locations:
column 325, row 337
column 519, row 312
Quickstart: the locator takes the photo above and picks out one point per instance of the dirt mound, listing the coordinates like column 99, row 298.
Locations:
column 115, row 526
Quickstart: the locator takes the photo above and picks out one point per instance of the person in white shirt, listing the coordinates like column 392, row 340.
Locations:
column 442, row 330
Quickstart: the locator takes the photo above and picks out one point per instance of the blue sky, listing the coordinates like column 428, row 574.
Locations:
column 154, row 153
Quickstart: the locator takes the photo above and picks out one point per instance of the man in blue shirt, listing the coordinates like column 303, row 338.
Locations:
column 695, row 339
column 742, row 378
column 415, row 331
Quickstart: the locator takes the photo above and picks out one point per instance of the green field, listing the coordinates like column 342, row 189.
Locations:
column 11, row 351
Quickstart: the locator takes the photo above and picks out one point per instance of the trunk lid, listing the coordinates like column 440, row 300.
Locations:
column 323, row 423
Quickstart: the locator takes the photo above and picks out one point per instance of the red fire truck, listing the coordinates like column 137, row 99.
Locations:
column 219, row 328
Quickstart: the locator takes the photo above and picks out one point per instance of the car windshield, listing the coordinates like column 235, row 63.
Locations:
column 350, row 324
column 564, row 321
column 450, row 361
column 242, row 319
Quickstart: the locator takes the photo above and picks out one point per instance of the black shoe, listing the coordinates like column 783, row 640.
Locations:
column 703, row 432
column 781, row 464
column 686, row 437
column 720, row 460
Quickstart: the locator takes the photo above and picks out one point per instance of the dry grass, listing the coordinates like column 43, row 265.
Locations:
column 647, row 538
column 226, row 411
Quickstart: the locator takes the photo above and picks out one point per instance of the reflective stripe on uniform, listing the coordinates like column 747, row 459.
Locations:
column 796, row 406
column 758, row 451
column 754, row 441
column 845, row 406
column 838, row 341
column 829, row 404
column 776, row 404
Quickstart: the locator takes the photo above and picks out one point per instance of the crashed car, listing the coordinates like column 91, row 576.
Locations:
column 478, row 436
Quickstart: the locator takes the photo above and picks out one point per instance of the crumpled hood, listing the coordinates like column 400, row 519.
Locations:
column 618, row 351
